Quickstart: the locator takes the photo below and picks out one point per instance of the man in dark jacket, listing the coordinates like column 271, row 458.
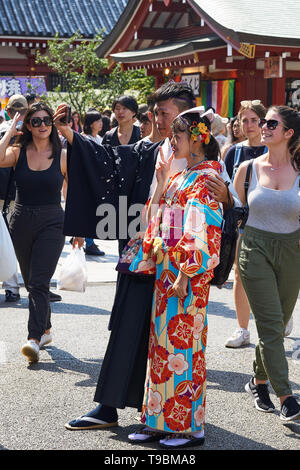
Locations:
column 16, row 104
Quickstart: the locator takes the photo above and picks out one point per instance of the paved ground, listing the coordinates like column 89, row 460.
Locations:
column 37, row 400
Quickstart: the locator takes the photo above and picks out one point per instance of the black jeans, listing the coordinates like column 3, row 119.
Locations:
column 37, row 235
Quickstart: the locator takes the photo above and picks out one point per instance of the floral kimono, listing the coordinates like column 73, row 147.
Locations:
column 185, row 234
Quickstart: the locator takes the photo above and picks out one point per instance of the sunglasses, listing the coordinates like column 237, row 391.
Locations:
column 271, row 123
column 37, row 121
column 247, row 102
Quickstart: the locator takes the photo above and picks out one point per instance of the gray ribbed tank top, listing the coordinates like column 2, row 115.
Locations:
column 272, row 210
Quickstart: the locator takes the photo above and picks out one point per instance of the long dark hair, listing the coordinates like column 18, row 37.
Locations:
column 90, row 117
column 183, row 124
column 291, row 120
column 26, row 138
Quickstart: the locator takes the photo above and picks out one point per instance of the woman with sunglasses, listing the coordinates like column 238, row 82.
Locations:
column 248, row 117
column 36, row 225
column 269, row 254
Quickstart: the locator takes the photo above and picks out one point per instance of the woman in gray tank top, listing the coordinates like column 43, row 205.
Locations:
column 269, row 254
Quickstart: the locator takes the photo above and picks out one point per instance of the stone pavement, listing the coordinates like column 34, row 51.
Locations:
column 101, row 269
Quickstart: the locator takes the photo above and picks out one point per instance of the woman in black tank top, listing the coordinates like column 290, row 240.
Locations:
column 36, row 225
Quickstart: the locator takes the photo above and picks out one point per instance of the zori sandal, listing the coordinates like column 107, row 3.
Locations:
column 145, row 435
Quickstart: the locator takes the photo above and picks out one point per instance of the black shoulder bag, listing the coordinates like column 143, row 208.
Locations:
column 233, row 219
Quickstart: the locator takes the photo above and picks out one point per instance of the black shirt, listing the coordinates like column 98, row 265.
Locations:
column 247, row 153
column 38, row 187
column 111, row 137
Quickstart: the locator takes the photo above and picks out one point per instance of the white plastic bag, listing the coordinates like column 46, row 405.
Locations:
column 8, row 260
column 73, row 273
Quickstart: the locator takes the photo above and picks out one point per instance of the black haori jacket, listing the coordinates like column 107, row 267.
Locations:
column 102, row 174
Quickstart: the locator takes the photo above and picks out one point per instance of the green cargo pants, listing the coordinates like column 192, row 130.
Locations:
column 269, row 266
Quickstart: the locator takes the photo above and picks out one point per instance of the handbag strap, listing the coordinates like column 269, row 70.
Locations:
column 247, row 178
column 5, row 204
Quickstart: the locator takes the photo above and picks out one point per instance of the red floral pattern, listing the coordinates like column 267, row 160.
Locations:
column 178, row 413
column 199, row 368
column 213, row 239
column 180, row 331
column 161, row 297
column 160, row 373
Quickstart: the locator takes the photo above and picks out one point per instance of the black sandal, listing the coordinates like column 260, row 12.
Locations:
column 153, row 436
column 192, row 441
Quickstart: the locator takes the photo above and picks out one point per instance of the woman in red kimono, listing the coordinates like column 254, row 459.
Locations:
column 183, row 240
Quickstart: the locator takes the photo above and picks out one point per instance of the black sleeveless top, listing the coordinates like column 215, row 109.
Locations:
column 38, row 188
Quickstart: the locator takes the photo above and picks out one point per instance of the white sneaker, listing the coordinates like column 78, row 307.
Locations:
column 289, row 327
column 45, row 339
column 240, row 337
column 31, row 350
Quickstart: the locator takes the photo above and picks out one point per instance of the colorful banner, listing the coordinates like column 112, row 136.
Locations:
column 218, row 94
column 20, row 86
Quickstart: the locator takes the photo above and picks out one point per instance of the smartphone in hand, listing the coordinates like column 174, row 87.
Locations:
column 67, row 118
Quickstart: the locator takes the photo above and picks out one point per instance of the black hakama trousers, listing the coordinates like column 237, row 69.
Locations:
column 122, row 376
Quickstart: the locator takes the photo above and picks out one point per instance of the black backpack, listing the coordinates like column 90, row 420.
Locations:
column 233, row 219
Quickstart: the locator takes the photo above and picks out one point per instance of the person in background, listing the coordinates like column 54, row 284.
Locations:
column 31, row 98
column 105, row 125
column 218, row 129
column 249, row 115
column 16, row 104
column 269, row 254
column 234, row 135
column 125, row 109
column 92, row 125
column 107, row 113
column 36, row 225
column 76, row 125
column 145, row 125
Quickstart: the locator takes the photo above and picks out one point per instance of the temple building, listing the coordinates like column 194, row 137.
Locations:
column 228, row 50
column 27, row 25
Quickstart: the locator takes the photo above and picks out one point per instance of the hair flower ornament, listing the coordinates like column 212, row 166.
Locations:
column 200, row 133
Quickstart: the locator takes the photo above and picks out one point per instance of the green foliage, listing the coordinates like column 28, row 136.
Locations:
column 78, row 65
column 82, row 70
column 134, row 82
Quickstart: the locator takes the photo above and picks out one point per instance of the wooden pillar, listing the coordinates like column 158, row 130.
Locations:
column 278, row 91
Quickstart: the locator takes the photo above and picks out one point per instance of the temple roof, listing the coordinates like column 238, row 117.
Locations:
column 147, row 26
column 256, row 18
column 45, row 18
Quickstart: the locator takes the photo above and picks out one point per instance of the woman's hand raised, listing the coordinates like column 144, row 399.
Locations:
column 62, row 126
column 163, row 168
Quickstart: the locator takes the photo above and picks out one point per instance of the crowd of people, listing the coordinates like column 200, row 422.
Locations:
column 187, row 166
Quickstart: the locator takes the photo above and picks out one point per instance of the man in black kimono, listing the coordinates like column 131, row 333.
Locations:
column 101, row 174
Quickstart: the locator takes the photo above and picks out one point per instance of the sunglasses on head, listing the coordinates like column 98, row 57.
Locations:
column 271, row 123
column 247, row 102
column 37, row 121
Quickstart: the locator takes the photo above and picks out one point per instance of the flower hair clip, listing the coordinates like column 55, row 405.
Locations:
column 200, row 133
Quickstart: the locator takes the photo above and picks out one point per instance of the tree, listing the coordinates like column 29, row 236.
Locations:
column 76, row 61
column 86, row 84
column 134, row 82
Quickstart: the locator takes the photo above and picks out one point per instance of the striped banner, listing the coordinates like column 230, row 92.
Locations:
column 218, row 94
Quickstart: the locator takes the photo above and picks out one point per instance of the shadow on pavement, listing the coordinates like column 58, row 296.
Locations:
column 64, row 362
column 220, row 309
column 76, row 309
column 216, row 438
column 227, row 381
